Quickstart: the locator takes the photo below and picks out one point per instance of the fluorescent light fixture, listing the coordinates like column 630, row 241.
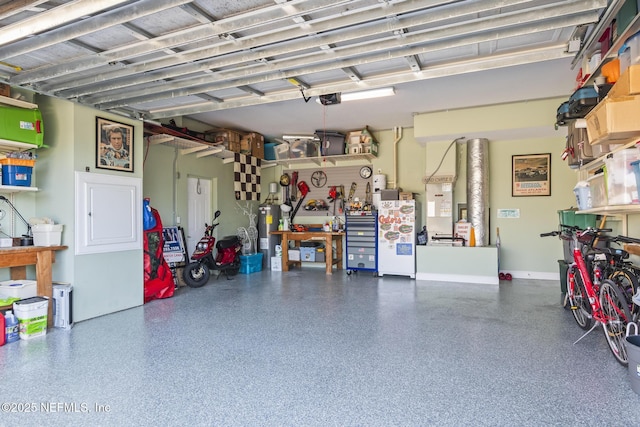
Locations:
column 368, row 94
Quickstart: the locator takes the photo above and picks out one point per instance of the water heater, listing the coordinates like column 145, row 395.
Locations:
column 379, row 183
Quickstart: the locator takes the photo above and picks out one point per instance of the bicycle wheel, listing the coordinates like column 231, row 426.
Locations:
column 627, row 280
column 616, row 316
column 578, row 299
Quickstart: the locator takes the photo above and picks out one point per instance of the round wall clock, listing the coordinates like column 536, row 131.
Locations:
column 365, row 172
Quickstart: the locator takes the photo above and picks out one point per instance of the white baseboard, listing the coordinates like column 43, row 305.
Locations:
column 487, row 280
column 461, row 278
column 540, row 275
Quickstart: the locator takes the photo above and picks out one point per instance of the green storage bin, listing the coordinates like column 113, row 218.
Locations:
column 625, row 15
column 570, row 217
column 21, row 125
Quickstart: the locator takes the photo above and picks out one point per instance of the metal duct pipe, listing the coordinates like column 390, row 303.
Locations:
column 478, row 188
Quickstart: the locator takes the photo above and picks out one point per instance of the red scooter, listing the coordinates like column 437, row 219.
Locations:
column 226, row 261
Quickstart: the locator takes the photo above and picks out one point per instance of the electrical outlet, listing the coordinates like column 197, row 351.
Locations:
column 177, row 220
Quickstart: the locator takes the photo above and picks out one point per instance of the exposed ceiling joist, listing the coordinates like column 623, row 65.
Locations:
column 61, row 15
column 481, row 25
column 168, row 58
column 378, row 51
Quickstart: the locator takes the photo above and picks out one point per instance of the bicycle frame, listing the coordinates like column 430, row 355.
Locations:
column 600, row 315
column 590, row 287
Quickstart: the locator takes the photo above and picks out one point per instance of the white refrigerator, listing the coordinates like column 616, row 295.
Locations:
column 397, row 238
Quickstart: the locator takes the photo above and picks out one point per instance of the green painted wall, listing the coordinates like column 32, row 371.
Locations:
column 103, row 283
column 523, row 250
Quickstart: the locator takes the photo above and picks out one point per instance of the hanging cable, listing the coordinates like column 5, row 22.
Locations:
column 442, row 159
column 306, row 98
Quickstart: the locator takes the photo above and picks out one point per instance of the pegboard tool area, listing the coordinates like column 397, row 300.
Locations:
column 320, row 180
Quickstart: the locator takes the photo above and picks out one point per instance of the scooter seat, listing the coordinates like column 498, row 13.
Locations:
column 228, row 242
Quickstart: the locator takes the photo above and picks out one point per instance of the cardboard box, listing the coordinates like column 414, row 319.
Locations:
column 256, row 142
column 276, row 263
column 614, row 120
column 245, row 146
column 405, row 195
column 627, row 84
column 5, row 90
column 230, row 139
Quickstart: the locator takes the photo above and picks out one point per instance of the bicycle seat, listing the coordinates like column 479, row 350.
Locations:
column 609, row 252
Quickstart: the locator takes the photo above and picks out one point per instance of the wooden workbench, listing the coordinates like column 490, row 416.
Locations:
column 17, row 258
column 328, row 237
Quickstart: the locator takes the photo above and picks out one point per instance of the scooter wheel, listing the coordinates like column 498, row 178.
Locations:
column 196, row 274
column 508, row 276
column 501, row 276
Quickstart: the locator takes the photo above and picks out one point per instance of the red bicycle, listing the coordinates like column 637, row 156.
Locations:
column 594, row 304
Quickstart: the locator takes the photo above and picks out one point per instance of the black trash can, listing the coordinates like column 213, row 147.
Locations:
column 564, row 268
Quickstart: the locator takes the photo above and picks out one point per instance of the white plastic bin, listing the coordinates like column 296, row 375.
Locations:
column 620, row 178
column 18, row 289
column 47, row 234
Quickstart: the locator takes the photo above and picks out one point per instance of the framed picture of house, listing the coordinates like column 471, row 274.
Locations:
column 531, row 175
column 114, row 145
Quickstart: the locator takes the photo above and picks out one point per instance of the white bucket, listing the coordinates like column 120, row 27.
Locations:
column 32, row 315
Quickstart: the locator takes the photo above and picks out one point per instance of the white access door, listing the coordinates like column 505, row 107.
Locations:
column 199, row 210
column 108, row 213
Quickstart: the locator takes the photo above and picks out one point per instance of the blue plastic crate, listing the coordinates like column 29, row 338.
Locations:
column 270, row 151
column 251, row 263
column 16, row 175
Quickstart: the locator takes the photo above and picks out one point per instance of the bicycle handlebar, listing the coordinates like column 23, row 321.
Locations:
column 626, row 239
column 588, row 230
column 552, row 233
column 568, row 230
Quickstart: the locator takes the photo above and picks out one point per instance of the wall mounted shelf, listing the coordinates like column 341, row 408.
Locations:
column 187, row 146
column 7, row 189
column 17, row 103
column 8, row 146
column 340, row 160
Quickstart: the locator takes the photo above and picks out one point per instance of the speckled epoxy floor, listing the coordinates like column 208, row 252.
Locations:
column 306, row 349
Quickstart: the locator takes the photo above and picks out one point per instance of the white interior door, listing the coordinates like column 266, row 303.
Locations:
column 199, row 212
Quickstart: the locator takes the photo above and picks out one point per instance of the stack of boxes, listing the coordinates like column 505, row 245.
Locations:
column 251, row 143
